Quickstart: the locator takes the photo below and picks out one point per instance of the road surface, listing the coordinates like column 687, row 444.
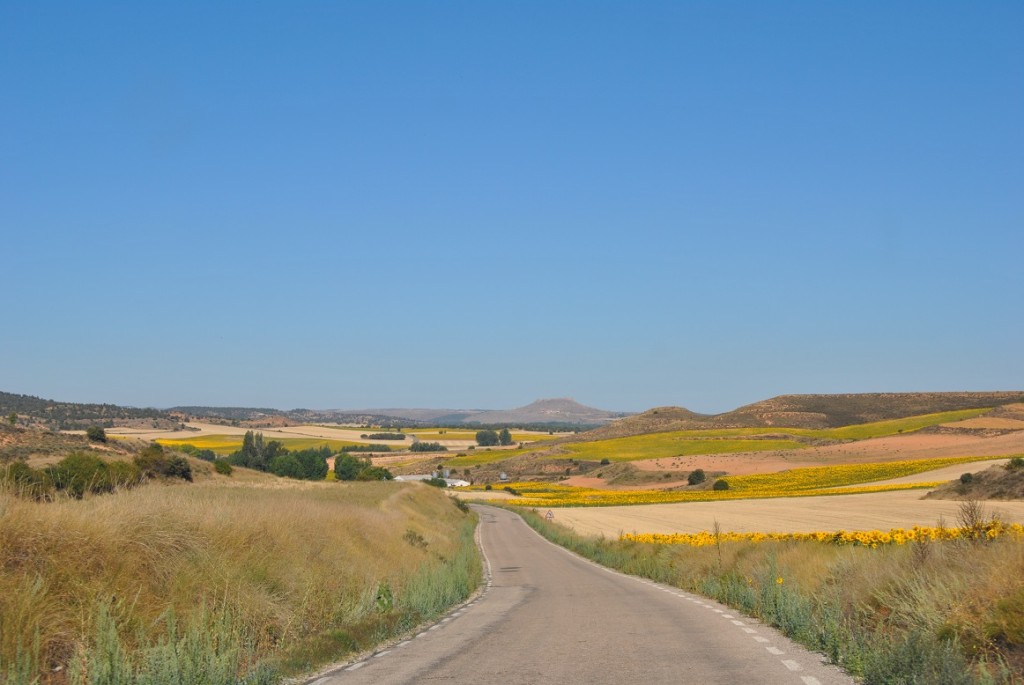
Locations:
column 548, row 616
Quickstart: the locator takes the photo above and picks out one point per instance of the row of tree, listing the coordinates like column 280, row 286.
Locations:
column 490, row 438
column 309, row 464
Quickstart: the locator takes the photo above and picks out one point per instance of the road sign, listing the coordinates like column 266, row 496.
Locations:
column 550, row 515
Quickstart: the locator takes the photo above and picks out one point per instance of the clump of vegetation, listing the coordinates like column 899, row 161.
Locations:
column 696, row 477
column 223, row 467
column 1015, row 463
column 96, row 434
column 720, row 484
column 436, row 482
column 349, row 467
column 427, row 447
column 274, row 457
column 372, row 447
column 76, row 475
column 490, row 438
column 154, row 462
column 383, row 436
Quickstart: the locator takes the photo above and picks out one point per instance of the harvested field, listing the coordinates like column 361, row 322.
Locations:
column 902, row 509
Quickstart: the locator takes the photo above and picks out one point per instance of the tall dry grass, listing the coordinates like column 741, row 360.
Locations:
column 930, row 613
column 297, row 570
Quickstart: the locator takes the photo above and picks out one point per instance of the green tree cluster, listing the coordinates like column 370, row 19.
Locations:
column 274, row 457
column 351, row 467
column 427, row 447
column 487, row 438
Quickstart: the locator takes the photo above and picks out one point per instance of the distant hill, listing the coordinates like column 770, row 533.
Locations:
column 806, row 411
column 71, row 415
column 558, row 411
column 563, row 412
column 832, row 411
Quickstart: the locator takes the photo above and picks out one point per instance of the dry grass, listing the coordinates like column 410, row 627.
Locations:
column 292, row 562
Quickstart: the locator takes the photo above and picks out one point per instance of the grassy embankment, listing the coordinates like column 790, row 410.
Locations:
column 723, row 440
column 222, row 582
column 929, row 612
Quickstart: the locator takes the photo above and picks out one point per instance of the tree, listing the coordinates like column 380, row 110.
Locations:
column 347, row 467
column 96, row 434
column 504, row 437
column 696, row 477
column 487, row 438
column 12, row 418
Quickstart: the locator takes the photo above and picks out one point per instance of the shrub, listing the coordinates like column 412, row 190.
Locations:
column 605, row 462
column 27, row 481
column 223, row 467
column 374, row 473
column 488, row 487
column 153, row 462
column 967, row 478
column 437, row 482
column 96, row 434
column 487, row 438
column 79, row 473
column 696, row 477
column 720, row 485
column 1016, row 463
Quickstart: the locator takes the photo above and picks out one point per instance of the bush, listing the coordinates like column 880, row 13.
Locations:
column 437, row 482
column 696, row 477
column 488, row 487
column 1016, row 463
column 27, row 481
column 153, row 462
column 223, row 467
column 967, row 478
column 720, row 485
column 96, row 434
column 79, row 473
column 374, row 473
column 605, row 462
column 487, row 438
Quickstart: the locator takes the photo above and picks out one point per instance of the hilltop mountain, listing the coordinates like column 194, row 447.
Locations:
column 562, row 410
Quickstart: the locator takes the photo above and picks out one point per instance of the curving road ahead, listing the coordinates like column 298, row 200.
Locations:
column 548, row 616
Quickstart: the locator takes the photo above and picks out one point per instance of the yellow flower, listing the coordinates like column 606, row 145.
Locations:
column 778, row 581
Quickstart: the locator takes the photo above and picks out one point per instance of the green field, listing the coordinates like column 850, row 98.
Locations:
column 723, row 440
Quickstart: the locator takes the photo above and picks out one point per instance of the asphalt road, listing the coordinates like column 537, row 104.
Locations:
column 548, row 616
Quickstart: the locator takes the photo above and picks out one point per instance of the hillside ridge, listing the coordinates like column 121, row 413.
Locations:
column 806, row 411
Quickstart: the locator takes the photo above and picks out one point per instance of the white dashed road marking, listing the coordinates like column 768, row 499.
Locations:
column 792, row 665
column 774, row 650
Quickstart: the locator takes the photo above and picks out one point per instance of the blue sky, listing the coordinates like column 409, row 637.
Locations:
column 479, row 204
